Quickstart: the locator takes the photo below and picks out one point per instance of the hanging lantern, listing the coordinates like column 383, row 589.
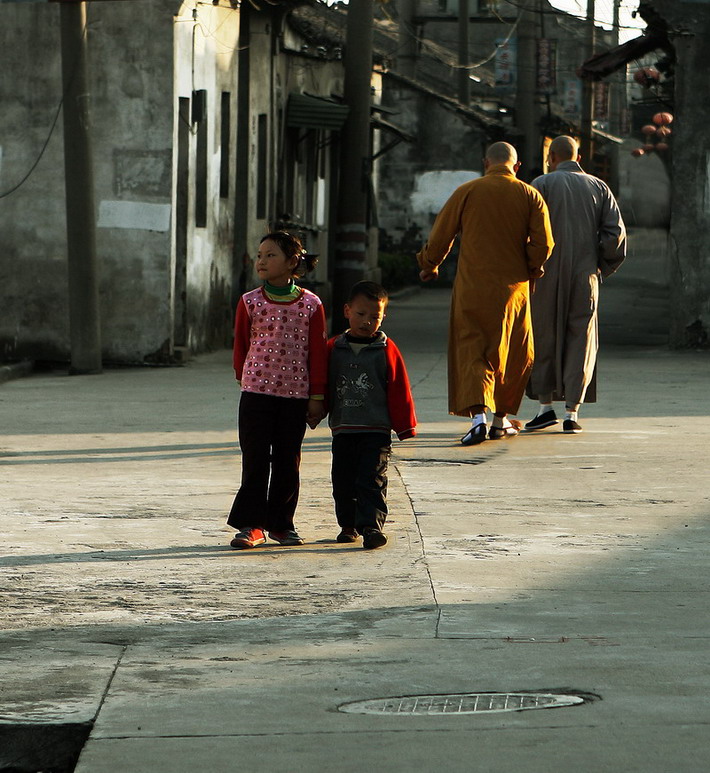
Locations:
column 638, row 152
column 663, row 131
column 662, row 119
column 649, row 148
column 661, row 146
column 647, row 77
column 649, row 128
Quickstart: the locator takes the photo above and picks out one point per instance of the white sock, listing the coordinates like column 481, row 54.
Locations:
column 544, row 408
column 501, row 422
column 571, row 416
column 479, row 418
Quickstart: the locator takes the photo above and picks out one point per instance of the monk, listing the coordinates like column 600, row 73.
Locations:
column 590, row 242
column 505, row 239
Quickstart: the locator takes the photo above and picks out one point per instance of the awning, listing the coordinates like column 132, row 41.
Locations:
column 309, row 112
column 601, row 65
column 606, row 136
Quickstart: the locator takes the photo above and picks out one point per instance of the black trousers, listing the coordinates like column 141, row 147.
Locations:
column 271, row 431
column 359, row 475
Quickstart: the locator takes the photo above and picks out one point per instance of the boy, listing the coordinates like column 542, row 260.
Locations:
column 369, row 396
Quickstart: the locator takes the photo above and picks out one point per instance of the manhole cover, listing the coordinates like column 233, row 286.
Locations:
column 462, row 703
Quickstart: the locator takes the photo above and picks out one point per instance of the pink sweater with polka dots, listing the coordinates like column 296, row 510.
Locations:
column 280, row 346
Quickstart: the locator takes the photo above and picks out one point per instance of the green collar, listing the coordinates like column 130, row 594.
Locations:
column 288, row 289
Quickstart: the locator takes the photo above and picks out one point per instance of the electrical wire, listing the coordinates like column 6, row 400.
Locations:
column 552, row 11
column 10, row 191
column 17, row 186
column 432, row 47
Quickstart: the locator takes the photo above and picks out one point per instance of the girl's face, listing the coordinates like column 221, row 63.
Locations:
column 272, row 265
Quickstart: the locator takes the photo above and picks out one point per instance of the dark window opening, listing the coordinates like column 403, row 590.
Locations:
column 261, row 155
column 201, row 166
column 225, row 131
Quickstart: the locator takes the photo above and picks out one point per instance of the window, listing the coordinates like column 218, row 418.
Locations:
column 261, row 156
column 199, row 115
column 225, row 131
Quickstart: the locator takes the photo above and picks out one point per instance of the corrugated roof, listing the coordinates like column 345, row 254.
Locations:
column 307, row 111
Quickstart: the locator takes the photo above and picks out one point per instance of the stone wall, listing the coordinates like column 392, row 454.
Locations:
column 690, row 197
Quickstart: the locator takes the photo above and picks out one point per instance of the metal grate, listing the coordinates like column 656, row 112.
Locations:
column 463, row 703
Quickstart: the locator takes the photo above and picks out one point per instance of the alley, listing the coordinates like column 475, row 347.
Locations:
column 543, row 563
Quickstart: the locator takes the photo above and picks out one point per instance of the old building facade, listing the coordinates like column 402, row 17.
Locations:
column 199, row 149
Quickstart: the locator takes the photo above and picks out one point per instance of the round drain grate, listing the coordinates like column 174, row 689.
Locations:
column 462, row 703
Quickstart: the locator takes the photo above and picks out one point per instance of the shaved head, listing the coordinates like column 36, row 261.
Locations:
column 502, row 153
column 565, row 148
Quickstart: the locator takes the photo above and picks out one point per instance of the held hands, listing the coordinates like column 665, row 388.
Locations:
column 315, row 413
column 427, row 274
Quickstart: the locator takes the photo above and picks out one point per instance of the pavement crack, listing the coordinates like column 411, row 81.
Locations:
column 427, row 568
column 105, row 693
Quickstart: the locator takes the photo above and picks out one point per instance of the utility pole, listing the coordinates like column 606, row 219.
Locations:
column 464, row 80
column 586, row 148
column 527, row 110
column 407, row 48
column 617, row 101
column 354, row 180
column 84, row 323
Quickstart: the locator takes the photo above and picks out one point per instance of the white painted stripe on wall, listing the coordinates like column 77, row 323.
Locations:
column 136, row 215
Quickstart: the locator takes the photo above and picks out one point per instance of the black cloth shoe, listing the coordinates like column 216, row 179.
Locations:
column 347, row 534
column 513, row 429
column 475, row 435
column 373, row 538
column 546, row 419
column 571, row 427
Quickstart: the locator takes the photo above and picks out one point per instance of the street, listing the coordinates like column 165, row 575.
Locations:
column 544, row 563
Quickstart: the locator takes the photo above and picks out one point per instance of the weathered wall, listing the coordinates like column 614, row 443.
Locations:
column 261, row 94
column 317, row 78
column 144, row 55
column 690, row 198
column 206, row 46
column 644, row 188
column 443, row 142
column 33, row 277
column 131, row 106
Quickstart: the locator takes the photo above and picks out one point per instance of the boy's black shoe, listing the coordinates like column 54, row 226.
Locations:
column 373, row 538
column 290, row 537
column 347, row 534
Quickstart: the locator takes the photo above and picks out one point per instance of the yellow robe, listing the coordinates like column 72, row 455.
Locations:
column 505, row 238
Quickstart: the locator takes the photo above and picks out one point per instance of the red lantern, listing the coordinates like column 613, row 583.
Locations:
column 661, row 146
column 649, row 128
column 638, row 152
column 662, row 119
column 647, row 76
column 649, row 148
column 663, row 131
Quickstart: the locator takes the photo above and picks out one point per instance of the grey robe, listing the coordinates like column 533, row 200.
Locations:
column 590, row 240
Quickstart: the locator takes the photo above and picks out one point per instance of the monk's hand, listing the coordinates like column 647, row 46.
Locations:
column 427, row 274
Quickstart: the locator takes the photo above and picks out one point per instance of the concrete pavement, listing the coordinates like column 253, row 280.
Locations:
column 544, row 563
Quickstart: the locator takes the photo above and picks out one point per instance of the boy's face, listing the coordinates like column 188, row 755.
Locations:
column 365, row 316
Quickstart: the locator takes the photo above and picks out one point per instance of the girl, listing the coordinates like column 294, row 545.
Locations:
column 280, row 361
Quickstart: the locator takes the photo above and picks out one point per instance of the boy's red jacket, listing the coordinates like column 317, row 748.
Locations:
column 400, row 402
